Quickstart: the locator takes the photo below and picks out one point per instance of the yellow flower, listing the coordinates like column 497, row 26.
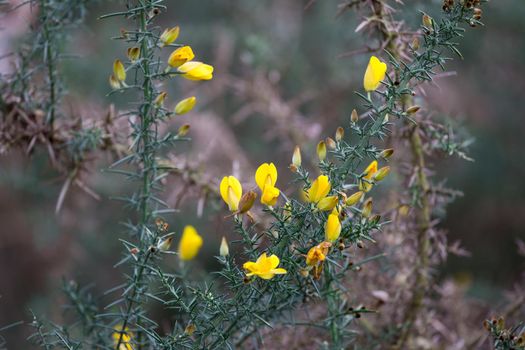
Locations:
column 133, row 53
column 265, row 267
column 119, row 72
column 114, row 83
column 180, row 56
column 375, row 72
column 231, row 192
column 369, row 172
column 194, row 70
column 185, row 105
column 265, row 178
column 125, row 339
column 327, row 203
column 183, row 130
column 169, row 35
column 159, row 100
column 332, row 228
column 190, row 243
column 319, row 189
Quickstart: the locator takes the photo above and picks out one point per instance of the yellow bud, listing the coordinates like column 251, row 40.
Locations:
column 354, row 117
column 367, row 208
column 165, row 244
column 296, row 157
column 415, row 44
column 353, row 199
column 169, row 35
column 321, row 150
column 159, row 100
column 427, row 21
column 412, row 110
column 183, row 130
column 114, row 83
column 382, row 173
column 327, row 203
column 133, row 53
column 330, row 143
column 387, row 153
column 224, row 250
column 119, row 71
column 185, row 105
column 339, row 134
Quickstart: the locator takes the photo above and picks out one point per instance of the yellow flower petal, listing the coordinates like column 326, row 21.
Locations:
column 332, row 227
column 270, row 195
column 375, row 73
column 319, row 189
column 265, row 267
column 190, row 243
column 119, row 72
column 231, row 192
column 180, row 56
column 194, row 70
column 266, row 174
column 327, row 203
column 169, row 35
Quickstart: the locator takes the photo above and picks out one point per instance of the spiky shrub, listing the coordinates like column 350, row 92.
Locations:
column 299, row 252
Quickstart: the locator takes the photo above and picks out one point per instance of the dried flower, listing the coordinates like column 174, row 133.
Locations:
column 133, row 53
column 339, row 134
column 169, row 35
column 159, row 100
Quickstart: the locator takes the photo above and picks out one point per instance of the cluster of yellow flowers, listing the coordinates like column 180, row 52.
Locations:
column 181, row 59
column 318, row 194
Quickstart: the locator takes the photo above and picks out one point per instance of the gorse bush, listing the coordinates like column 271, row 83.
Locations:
column 290, row 264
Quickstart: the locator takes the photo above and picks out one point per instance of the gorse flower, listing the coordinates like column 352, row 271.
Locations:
column 231, row 192
column 375, row 72
column 180, row 56
column 186, row 105
column 332, row 228
column 133, row 53
column 169, row 35
column 365, row 184
column 318, row 194
column 122, row 336
column 317, row 254
column 119, row 72
column 265, row 267
column 265, row 178
column 194, row 70
column 190, row 243
column 353, row 199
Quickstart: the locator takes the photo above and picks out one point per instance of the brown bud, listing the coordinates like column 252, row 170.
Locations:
column 354, row 117
column 339, row 134
column 246, row 201
column 413, row 110
column 387, row 153
column 330, row 143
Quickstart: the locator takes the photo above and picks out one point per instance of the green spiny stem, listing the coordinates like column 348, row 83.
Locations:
column 49, row 59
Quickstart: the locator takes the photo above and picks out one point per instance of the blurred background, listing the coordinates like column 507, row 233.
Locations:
column 285, row 74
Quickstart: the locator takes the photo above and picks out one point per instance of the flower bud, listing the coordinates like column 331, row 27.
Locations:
column 165, row 244
column 119, row 71
column 354, row 117
column 381, row 173
column 353, row 199
column 169, row 35
column 133, row 53
column 387, row 153
column 321, row 151
column 190, row 329
column 367, row 208
column 415, row 44
column 403, row 210
column 296, row 157
column 183, row 130
column 159, row 100
column 224, row 250
column 330, row 143
column 427, row 21
column 185, row 105
column 339, row 134
column 413, row 110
